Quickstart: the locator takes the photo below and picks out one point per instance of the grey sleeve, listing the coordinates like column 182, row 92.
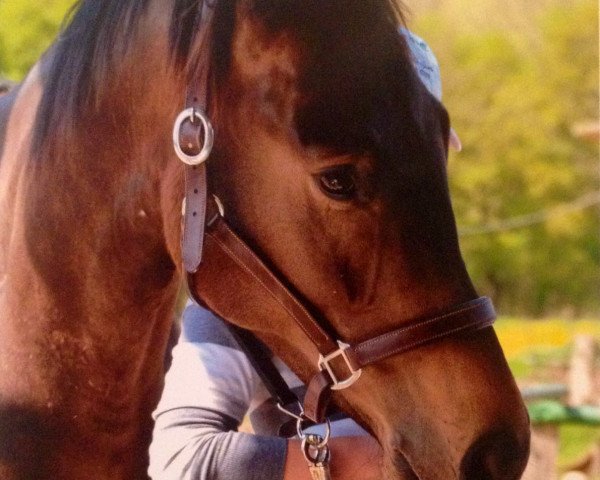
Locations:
column 201, row 444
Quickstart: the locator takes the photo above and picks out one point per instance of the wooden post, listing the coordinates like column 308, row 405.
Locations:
column 545, row 437
column 544, row 453
column 574, row 476
column 581, row 372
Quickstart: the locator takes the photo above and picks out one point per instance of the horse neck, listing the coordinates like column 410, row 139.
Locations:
column 89, row 238
column 113, row 215
column 88, row 275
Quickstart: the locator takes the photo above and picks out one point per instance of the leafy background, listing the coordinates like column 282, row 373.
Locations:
column 518, row 77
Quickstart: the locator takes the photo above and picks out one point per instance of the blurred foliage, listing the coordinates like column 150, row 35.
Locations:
column 517, row 76
column 26, row 30
column 519, row 338
column 539, row 352
column 536, row 350
column 575, row 441
column 514, row 90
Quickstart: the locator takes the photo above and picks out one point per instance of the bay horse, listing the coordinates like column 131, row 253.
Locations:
column 330, row 161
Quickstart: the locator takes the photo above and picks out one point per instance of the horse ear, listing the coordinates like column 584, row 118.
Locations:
column 454, row 141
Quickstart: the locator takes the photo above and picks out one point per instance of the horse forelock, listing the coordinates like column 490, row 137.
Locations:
column 77, row 69
column 363, row 59
column 97, row 34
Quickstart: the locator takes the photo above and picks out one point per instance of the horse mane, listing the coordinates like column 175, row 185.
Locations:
column 97, row 33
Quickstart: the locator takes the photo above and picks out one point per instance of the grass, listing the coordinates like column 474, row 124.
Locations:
column 538, row 351
column 532, row 346
column 575, row 440
column 519, row 336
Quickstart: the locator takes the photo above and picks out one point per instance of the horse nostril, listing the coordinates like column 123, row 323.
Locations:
column 498, row 455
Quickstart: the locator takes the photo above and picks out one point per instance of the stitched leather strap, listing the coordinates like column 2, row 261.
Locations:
column 190, row 135
column 232, row 246
column 470, row 316
column 474, row 315
column 318, row 394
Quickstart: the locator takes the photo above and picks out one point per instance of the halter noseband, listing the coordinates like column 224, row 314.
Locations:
column 339, row 364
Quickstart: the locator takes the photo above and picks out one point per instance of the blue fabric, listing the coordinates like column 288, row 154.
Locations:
column 425, row 63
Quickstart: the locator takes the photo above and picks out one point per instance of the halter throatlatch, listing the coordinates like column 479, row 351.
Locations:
column 339, row 365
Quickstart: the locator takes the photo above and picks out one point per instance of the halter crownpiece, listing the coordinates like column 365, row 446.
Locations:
column 193, row 139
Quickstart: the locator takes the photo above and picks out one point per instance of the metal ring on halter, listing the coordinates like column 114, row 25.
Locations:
column 191, row 114
column 216, row 216
column 301, row 433
column 298, row 417
column 316, row 456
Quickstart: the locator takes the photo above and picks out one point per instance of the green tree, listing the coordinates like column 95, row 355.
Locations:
column 514, row 94
column 26, row 30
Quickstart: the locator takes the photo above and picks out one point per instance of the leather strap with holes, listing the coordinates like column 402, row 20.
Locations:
column 190, row 134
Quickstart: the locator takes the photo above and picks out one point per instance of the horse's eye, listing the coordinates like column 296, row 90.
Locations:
column 338, row 182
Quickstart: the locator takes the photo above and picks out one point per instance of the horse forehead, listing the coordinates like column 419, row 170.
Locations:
column 301, row 78
column 282, row 63
column 327, row 43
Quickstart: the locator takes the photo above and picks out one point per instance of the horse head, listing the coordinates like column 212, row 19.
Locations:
column 330, row 162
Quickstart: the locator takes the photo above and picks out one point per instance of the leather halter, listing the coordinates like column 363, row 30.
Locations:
column 214, row 247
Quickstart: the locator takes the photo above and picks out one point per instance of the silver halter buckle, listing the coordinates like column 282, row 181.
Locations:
column 191, row 114
column 324, row 364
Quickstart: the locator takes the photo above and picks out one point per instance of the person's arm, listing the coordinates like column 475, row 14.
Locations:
column 352, row 458
column 199, row 444
column 207, row 393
